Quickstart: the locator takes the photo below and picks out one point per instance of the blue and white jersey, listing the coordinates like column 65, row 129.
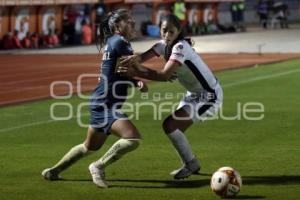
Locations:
column 194, row 75
column 112, row 88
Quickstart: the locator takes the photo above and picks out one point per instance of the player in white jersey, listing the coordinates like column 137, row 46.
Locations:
column 204, row 94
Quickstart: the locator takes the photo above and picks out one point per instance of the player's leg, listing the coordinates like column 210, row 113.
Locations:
column 174, row 126
column 129, row 141
column 189, row 111
column 94, row 141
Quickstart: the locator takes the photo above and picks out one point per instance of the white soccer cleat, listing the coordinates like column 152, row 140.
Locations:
column 98, row 176
column 50, row 175
column 192, row 167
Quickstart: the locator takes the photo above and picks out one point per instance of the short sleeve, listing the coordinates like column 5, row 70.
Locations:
column 178, row 54
column 159, row 48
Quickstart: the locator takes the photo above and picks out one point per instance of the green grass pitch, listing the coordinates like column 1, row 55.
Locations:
column 265, row 152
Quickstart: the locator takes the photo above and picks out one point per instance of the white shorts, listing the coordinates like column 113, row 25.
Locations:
column 202, row 105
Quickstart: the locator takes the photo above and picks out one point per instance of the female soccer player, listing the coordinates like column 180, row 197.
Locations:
column 115, row 32
column 204, row 94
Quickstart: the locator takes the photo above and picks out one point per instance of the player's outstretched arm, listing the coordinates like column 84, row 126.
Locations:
column 147, row 55
column 141, row 71
column 137, row 58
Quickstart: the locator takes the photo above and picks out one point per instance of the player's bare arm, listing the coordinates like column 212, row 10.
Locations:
column 137, row 58
column 141, row 71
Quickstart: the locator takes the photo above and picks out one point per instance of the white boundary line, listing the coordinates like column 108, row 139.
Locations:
column 26, row 125
column 261, row 78
column 224, row 86
column 35, row 124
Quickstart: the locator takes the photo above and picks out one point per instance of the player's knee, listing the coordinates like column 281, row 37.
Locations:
column 92, row 146
column 168, row 125
column 133, row 143
column 131, row 134
column 127, row 145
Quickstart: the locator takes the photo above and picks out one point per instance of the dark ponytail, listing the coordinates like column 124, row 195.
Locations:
column 103, row 32
column 106, row 28
column 176, row 22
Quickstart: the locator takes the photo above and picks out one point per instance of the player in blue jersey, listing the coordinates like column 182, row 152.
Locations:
column 204, row 94
column 114, row 34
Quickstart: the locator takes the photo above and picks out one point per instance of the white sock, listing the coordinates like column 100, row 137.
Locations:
column 116, row 151
column 181, row 145
column 76, row 153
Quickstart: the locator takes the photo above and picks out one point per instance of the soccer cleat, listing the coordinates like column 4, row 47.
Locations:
column 191, row 167
column 50, row 175
column 98, row 176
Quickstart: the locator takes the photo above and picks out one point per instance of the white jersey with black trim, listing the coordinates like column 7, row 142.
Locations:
column 194, row 74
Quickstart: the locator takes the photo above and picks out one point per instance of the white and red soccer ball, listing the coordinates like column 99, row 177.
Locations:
column 226, row 182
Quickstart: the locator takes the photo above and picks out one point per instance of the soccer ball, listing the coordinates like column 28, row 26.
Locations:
column 226, row 182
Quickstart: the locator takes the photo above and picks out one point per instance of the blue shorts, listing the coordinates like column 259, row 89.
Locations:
column 102, row 120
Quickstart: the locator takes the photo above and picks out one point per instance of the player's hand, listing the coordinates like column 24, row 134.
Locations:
column 129, row 71
column 128, row 65
column 173, row 77
column 130, row 60
column 142, row 86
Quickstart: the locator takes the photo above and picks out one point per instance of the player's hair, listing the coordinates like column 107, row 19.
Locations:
column 170, row 18
column 106, row 28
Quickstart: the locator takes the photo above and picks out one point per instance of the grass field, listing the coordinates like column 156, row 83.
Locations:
column 265, row 152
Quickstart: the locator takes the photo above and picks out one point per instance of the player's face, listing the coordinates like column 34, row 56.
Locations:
column 126, row 27
column 168, row 32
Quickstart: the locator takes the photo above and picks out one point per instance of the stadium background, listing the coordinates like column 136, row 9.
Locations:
column 38, row 15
